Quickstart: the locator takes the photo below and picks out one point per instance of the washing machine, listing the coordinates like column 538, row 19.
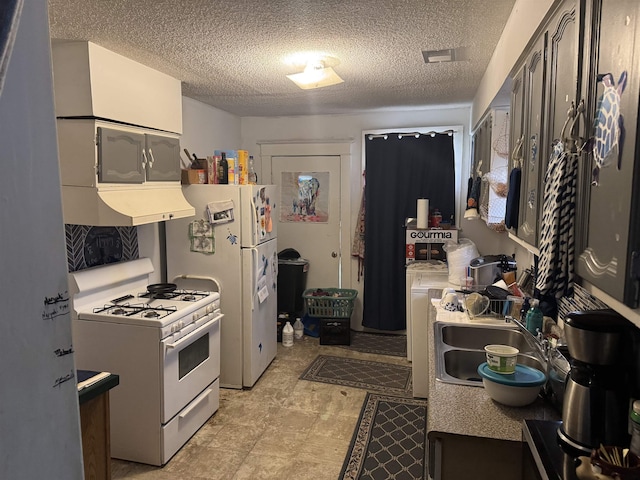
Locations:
column 425, row 280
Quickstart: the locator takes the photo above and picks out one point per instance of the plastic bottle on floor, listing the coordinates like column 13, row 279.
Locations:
column 298, row 329
column 287, row 335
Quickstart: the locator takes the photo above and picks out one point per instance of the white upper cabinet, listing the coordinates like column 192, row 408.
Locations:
column 91, row 81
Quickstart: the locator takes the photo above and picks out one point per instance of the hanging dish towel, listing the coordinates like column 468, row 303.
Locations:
column 513, row 199
column 357, row 249
column 473, row 199
column 555, row 265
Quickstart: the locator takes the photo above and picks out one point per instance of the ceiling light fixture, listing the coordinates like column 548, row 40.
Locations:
column 315, row 75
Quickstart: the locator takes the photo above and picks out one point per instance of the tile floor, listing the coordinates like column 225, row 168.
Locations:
column 282, row 428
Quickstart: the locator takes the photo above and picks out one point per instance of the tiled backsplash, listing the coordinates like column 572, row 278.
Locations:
column 581, row 301
column 89, row 246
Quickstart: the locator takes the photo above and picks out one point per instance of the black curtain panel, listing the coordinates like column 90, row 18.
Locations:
column 399, row 171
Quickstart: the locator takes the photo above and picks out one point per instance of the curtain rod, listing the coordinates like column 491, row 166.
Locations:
column 409, row 134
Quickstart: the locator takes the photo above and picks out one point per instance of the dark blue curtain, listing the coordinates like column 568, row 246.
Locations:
column 398, row 172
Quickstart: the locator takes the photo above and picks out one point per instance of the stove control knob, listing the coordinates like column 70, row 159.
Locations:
column 180, row 324
column 194, row 317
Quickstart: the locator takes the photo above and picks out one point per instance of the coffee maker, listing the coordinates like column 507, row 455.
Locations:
column 602, row 380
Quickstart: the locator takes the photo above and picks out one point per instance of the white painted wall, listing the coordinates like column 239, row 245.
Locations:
column 205, row 129
column 341, row 127
column 525, row 18
column 39, row 421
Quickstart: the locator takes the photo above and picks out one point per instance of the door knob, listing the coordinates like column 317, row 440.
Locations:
column 334, row 254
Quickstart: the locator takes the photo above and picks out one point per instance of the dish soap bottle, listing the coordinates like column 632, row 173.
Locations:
column 287, row 335
column 298, row 329
column 534, row 318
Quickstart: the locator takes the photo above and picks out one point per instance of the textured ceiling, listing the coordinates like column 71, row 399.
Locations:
column 230, row 53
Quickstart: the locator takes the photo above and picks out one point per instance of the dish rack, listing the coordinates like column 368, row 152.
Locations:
column 478, row 305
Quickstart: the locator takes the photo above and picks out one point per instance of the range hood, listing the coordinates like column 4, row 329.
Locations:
column 123, row 207
column 112, row 114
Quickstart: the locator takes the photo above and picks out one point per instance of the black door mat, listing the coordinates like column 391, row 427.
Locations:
column 378, row 343
column 375, row 377
column 389, row 441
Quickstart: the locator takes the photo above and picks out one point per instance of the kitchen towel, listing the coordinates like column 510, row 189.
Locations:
column 555, row 264
column 513, row 199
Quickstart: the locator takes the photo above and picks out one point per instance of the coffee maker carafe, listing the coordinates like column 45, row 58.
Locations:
column 601, row 381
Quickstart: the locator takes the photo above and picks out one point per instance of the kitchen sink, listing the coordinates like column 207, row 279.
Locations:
column 476, row 337
column 459, row 349
column 463, row 364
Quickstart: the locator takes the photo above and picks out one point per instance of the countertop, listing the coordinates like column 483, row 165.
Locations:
column 91, row 384
column 465, row 410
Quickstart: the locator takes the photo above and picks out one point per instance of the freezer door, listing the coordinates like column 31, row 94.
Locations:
column 259, row 214
column 260, row 298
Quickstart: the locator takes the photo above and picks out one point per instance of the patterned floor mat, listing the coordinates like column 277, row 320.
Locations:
column 375, row 377
column 389, row 440
column 379, row 343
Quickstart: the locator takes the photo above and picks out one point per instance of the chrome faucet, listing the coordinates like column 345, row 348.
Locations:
column 540, row 345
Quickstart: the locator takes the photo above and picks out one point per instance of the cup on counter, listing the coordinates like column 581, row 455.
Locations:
column 450, row 300
column 466, row 283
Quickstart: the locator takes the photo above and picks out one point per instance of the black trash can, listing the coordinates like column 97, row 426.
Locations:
column 292, row 282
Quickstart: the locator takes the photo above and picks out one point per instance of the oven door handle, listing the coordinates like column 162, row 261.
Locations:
column 195, row 332
column 202, row 397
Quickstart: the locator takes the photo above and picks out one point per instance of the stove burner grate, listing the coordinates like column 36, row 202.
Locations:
column 144, row 310
column 178, row 295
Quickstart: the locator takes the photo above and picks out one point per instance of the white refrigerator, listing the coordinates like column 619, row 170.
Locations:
column 232, row 239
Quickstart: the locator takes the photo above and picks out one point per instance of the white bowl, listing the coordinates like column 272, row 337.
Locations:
column 510, row 395
column 516, row 390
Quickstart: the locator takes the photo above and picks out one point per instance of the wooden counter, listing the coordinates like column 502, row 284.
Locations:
column 93, row 396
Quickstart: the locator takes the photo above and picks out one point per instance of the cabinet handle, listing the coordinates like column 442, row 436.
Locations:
column 144, row 159
column 151, row 159
column 571, row 114
column 577, row 139
column 515, row 155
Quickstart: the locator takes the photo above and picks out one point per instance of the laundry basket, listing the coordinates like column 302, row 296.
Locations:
column 329, row 302
column 333, row 308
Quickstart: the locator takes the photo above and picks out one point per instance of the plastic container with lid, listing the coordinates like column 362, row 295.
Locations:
column 517, row 389
column 635, row 428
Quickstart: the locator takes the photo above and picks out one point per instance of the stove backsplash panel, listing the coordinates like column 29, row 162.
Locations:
column 89, row 246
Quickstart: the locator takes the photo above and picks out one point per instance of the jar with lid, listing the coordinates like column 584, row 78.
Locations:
column 436, row 218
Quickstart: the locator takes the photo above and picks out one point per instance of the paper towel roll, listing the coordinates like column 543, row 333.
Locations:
column 422, row 217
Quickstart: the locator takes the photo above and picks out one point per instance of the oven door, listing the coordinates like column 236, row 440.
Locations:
column 191, row 363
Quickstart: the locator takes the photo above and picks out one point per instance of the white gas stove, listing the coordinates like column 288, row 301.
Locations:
column 175, row 313
column 165, row 346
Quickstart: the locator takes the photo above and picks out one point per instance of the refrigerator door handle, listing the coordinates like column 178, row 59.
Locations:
column 254, row 265
column 255, row 222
